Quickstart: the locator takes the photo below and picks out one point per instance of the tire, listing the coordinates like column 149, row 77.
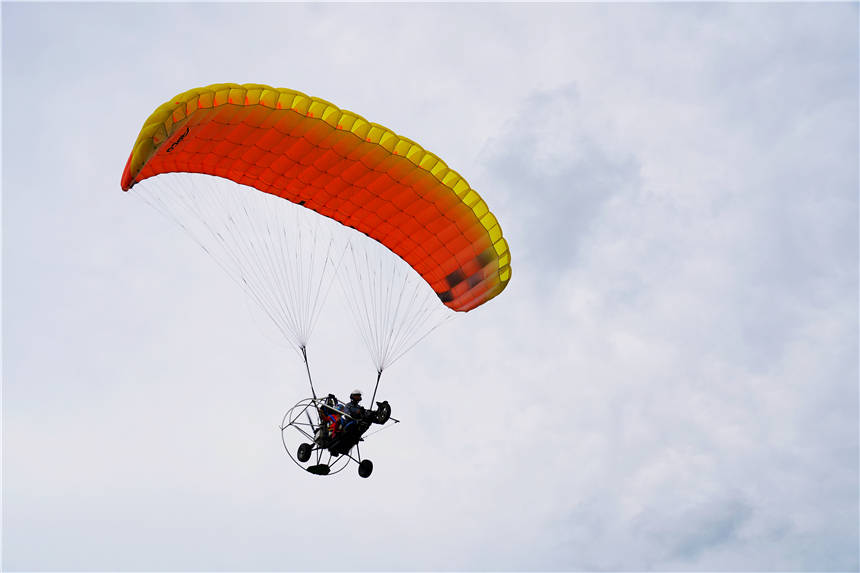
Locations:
column 383, row 413
column 365, row 468
column 304, row 452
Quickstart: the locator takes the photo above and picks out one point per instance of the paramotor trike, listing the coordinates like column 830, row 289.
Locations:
column 321, row 438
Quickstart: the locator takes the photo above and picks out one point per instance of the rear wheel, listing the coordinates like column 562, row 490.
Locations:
column 365, row 468
column 304, row 452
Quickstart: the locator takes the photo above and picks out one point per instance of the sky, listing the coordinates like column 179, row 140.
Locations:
column 669, row 382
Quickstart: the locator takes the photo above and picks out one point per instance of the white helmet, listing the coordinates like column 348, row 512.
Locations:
column 355, row 392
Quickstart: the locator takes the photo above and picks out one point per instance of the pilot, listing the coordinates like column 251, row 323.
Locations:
column 354, row 409
column 329, row 418
column 351, row 426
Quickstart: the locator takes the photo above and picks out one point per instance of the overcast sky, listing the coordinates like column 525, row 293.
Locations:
column 670, row 382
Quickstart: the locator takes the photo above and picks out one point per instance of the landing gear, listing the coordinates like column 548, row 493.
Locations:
column 365, row 468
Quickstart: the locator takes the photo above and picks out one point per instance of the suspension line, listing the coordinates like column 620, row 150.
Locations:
column 378, row 376
column 308, row 368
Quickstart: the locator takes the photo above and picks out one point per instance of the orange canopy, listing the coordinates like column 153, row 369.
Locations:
column 336, row 163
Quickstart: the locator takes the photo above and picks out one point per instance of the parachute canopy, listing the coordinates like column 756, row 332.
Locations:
column 361, row 174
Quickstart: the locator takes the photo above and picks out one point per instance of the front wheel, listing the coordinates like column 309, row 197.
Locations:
column 365, row 468
column 304, row 452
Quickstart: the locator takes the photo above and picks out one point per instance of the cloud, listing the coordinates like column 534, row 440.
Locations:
column 554, row 174
column 690, row 532
column 706, row 288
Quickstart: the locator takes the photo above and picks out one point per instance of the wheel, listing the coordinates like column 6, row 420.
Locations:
column 383, row 413
column 365, row 468
column 304, row 453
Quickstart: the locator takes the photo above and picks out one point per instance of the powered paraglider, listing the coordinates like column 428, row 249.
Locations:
column 290, row 194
